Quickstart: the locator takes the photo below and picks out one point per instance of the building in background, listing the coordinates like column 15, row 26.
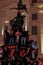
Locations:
column 34, row 20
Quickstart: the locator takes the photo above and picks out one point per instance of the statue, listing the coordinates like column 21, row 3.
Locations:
column 18, row 21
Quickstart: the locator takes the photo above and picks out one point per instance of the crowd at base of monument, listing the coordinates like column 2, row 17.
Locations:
column 18, row 49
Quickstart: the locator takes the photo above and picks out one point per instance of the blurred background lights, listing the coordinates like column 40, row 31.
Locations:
column 40, row 11
column 40, row 6
column 6, row 22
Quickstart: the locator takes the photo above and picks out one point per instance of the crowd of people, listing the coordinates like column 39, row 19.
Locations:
column 18, row 49
column 23, row 50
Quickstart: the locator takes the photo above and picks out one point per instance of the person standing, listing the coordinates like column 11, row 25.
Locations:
column 23, row 37
column 11, row 37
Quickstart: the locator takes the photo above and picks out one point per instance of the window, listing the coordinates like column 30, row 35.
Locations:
column 34, row 1
column 34, row 16
column 34, row 30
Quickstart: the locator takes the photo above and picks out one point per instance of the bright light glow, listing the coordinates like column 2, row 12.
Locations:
column 26, row 26
column 41, row 39
column 40, row 6
column 41, row 43
column 6, row 22
column 2, row 31
column 41, row 11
